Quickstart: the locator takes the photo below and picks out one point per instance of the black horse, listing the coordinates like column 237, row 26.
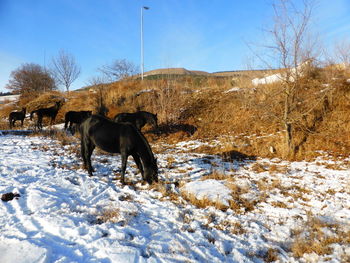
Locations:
column 139, row 118
column 76, row 117
column 17, row 116
column 46, row 112
column 121, row 138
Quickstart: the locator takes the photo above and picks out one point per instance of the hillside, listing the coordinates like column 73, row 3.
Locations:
column 226, row 193
column 203, row 106
column 228, row 74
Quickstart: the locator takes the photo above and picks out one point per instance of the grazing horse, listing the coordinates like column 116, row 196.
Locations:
column 139, row 118
column 121, row 138
column 17, row 116
column 76, row 117
column 46, row 112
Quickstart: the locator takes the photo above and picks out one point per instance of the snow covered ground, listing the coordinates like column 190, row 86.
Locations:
column 267, row 207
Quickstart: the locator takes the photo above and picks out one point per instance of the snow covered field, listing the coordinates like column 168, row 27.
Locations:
column 269, row 208
column 8, row 98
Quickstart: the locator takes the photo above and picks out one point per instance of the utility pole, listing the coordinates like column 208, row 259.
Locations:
column 142, row 64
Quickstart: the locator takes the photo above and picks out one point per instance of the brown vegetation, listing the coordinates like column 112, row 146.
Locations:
column 318, row 236
column 204, row 109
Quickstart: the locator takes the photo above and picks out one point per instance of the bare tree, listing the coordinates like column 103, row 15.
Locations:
column 64, row 69
column 342, row 52
column 98, row 84
column 294, row 51
column 119, row 70
column 30, row 78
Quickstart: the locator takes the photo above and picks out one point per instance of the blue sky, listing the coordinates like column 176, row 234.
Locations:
column 209, row 35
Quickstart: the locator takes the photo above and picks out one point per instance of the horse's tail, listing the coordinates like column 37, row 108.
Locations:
column 81, row 127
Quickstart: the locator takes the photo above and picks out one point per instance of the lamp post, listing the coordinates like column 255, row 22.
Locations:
column 146, row 8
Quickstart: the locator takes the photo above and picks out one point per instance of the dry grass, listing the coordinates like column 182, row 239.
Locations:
column 216, row 175
column 311, row 238
column 115, row 215
column 110, row 215
column 202, row 108
column 271, row 255
column 64, row 138
column 238, row 203
column 167, row 191
column 202, row 202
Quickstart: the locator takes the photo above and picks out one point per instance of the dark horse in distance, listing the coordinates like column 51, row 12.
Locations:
column 139, row 118
column 17, row 116
column 121, row 138
column 46, row 112
column 76, row 117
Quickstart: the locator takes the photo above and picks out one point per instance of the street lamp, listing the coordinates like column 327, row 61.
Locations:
column 146, row 8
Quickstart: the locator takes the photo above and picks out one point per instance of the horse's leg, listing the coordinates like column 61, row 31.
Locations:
column 88, row 149
column 39, row 123
column 139, row 164
column 70, row 127
column 82, row 152
column 51, row 121
column 124, row 159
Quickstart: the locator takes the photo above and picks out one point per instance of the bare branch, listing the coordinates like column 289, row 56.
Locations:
column 65, row 69
column 119, row 70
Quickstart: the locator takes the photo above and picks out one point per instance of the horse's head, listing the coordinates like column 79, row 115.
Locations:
column 151, row 173
column 154, row 121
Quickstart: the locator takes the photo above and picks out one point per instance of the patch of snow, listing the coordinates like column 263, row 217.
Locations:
column 281, row 76
column 268, row 79
column 8, row 98
column 24, row 251
column 234, row 89
column 213, row 190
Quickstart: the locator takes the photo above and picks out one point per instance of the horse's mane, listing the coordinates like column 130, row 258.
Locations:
column 148, row 147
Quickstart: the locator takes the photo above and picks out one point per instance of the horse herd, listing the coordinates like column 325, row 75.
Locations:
column 122, row 134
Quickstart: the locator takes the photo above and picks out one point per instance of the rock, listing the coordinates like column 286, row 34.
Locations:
column 9, row 196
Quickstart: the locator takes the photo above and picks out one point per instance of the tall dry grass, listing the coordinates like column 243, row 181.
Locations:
column 205, row 108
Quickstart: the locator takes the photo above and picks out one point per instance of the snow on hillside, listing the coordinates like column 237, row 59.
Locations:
column 277, row 77
column 8, row 98
column 63, row 215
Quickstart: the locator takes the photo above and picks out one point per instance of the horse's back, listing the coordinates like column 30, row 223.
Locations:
column 123, row 117
column 109, row 135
